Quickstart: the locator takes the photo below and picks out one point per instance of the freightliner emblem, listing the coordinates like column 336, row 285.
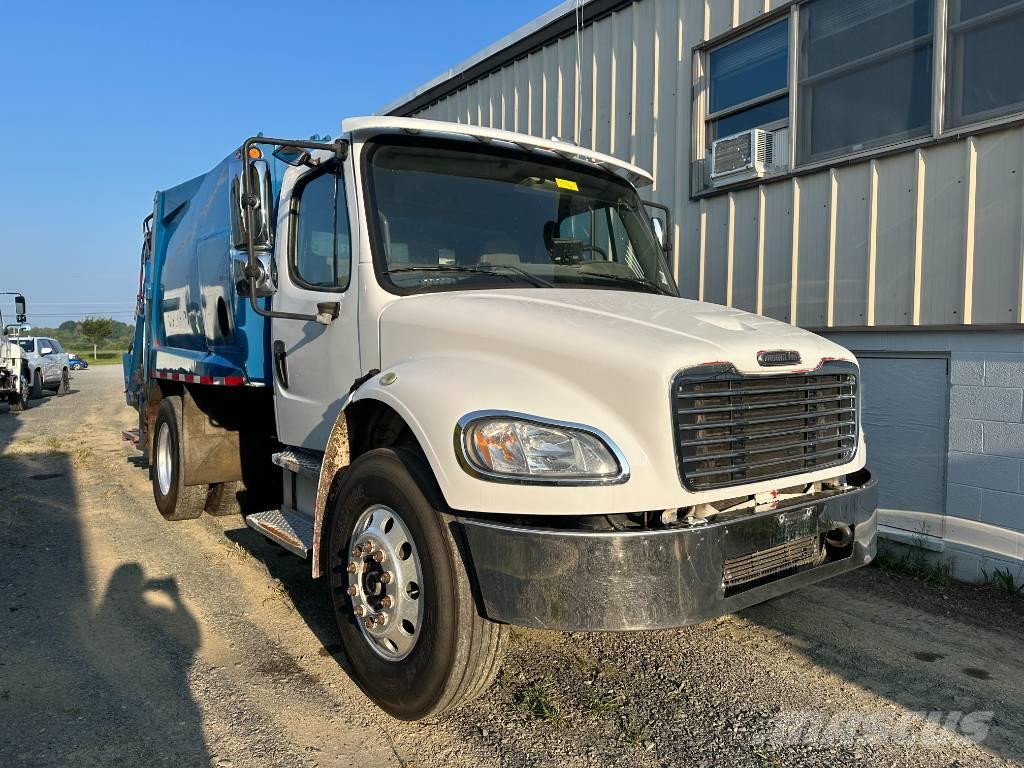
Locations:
column 778, row 357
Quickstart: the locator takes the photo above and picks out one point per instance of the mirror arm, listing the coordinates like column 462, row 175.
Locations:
column 253, row 269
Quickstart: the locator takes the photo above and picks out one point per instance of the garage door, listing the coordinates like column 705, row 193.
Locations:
column 905, row 416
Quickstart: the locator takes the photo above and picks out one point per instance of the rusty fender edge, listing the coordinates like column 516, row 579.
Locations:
column 574, row 580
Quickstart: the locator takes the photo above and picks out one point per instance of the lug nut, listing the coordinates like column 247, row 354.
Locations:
column 386, row 577
column 352, row 590
column 359, row 610
column 378, row 556
column 352, row 567
column 387, row 601
column 357, row 551
column 381, row 619
column 368, row 622
column 367, row 548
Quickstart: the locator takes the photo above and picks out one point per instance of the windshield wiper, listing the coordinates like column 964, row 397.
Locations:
column 639, row 281
column 540, row 282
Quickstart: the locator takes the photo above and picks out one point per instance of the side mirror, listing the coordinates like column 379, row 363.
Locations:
column 661, row 222
column 260, row 192
column 46, row 351
column 293, row 156
column 19, row 309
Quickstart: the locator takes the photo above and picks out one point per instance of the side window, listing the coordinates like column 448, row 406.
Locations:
column 321, row 247
column 56, row 346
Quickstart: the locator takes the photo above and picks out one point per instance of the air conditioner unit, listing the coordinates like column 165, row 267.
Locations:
column 749, row 155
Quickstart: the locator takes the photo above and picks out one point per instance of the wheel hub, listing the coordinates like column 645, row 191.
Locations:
column 163, row 458
column 384, row 582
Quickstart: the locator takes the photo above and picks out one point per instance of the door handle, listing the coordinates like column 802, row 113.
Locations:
column 281, row 363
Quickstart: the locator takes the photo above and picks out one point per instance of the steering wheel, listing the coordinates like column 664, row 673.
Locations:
column 591, row 247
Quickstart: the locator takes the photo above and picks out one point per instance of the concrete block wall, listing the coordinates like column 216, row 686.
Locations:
column 984, row 525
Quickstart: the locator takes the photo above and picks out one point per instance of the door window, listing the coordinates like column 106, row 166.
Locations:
column 321, row 249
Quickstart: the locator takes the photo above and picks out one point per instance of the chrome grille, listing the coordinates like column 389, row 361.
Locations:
column 732, row 429
column 771, row 563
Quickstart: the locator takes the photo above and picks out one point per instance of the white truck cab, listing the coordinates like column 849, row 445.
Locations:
column 490, row 405
column 14, row 372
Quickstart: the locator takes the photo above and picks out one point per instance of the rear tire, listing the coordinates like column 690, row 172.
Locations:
column 174, row 499
column 452, row 655
column 65, row 383
column 37, row 385
column 222, row 499
column 19, row 400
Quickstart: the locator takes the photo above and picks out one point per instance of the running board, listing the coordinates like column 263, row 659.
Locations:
column 291, row 529
column 299, row 461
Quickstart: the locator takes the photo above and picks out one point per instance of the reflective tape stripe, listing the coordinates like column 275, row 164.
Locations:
column 191, row 378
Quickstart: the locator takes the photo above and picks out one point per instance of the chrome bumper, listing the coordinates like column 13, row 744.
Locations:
column 631, row 580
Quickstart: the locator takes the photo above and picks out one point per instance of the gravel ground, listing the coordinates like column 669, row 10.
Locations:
column 127, row 641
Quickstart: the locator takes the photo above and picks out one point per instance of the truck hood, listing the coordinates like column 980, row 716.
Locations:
column 609, row 328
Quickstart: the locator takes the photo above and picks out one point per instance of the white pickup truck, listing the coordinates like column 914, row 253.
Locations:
column 465, row 351
column 47, row 364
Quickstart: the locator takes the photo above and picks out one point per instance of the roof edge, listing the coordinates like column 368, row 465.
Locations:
column 558, row 22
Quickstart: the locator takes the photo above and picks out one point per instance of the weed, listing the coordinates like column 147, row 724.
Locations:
column 536, row 702
column 604, row 705
column 53, row 444
column 1003, row 579
column 505, row 679
column 915, row 563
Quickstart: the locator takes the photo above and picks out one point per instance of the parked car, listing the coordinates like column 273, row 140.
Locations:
column 75, row 363
column 47, row 364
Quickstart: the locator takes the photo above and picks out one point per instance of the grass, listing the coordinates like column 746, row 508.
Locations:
column 604, row 705
column 105, row 358
column 914, row 562
column 1004, row 580
column 537, row 703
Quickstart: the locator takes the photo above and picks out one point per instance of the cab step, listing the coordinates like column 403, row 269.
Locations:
column 289, row 528
column 300, row 461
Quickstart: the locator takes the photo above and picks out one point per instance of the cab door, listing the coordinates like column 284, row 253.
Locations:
column 314, row 364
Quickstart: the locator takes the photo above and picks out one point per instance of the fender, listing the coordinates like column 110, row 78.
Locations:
column 432, row 393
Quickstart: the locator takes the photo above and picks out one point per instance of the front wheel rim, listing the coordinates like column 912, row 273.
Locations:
column 163, row 459
column 385, row 582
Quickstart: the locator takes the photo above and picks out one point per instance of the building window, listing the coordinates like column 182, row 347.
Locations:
column 865, row 75
column 984, row 58
column 748, row 82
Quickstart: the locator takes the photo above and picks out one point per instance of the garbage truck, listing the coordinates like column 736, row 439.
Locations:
column 450, row 366
column 14, row 373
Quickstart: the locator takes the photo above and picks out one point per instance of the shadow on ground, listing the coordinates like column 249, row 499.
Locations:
column 85, row 679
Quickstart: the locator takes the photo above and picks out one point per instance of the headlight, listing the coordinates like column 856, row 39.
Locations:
column 516, row 448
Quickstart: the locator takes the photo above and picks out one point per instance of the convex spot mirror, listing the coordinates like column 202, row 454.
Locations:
column 293, row 156
column 19, row 309
column 659, row 230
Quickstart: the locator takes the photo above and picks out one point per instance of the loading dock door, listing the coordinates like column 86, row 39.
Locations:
column 906, row 417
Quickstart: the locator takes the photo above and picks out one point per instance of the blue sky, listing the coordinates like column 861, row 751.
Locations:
column 103, row 103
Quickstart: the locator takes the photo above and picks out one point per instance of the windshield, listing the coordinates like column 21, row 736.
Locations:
column 452, row 216
column 27, row 344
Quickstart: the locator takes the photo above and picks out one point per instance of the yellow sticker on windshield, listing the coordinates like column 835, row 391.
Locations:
column 566, row 184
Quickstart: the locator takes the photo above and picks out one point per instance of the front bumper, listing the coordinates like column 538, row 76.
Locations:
column 576, row 580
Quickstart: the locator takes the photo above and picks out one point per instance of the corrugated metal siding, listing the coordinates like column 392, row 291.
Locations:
column 932, row 236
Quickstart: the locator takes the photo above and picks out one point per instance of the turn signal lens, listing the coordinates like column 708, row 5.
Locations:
column 527, row 449
column 255, row 153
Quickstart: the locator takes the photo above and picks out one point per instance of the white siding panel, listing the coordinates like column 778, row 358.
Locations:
column 851, row 246
column 997, row 234
column 778, row 250
column 744, row 249
column 716, row 249
column 642, row 129
column 895, row 229
column 720, row 17
column 603, row 65
column 812, row 280
column 620, row 140
column 942, row 256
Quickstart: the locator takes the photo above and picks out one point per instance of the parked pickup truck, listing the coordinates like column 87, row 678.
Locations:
column 449, row 365
column 47, row 364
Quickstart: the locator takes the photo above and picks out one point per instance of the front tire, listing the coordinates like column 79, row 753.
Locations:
column 174, row 499
column 431, row 651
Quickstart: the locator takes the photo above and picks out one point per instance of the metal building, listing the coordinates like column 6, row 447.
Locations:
column 852, row 166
